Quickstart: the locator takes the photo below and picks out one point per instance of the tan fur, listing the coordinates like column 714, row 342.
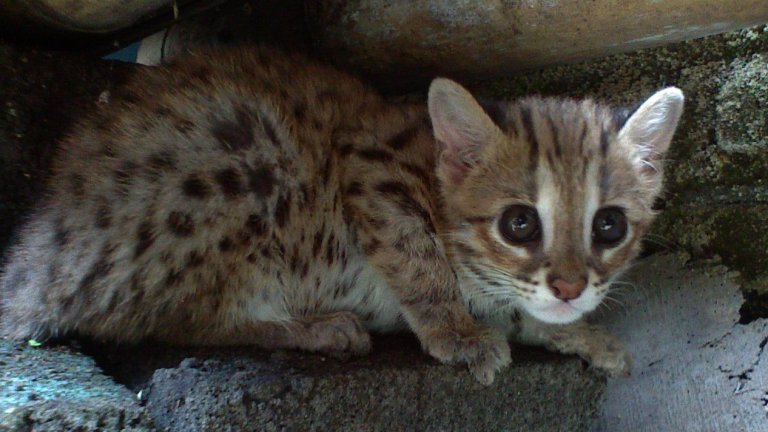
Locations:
column 250, row 197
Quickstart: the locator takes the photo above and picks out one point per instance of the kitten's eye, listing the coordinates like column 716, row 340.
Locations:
column 519, row 224
column 609, row 226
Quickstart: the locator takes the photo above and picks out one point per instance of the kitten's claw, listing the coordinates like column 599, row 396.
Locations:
column 484, row 350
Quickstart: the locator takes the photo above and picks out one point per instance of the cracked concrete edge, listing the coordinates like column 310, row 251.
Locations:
column 396, row 388
column 696, row 368
column 57, row 389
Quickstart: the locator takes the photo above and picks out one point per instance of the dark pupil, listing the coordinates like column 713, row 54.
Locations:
column 519, row 224
column 610, row 226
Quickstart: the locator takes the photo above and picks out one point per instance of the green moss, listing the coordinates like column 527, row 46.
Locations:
column 736, row 233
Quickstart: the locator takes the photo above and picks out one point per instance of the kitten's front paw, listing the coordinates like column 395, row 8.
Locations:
column 340, row 335
column 613, row 360
column 600, row 349
column 485, row 350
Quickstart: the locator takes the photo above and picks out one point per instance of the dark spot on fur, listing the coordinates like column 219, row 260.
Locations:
column 317, row 244
column 325, row 174
column 103, row 216
column 129, row 97
column 307, row 194
column 415, row 170
column 375, row 222
column 195, row 259
column 99, row 271
column 234, row 135
column 261, row 181
column 195, row 187
column 604, row 142
column 282, row 209
column 295, row 262
column 256, row 225
column 375, row 155
column 403, row 138
column 124, row 175
column 402, row 245
column 551, row 159
column 530, row 131
column 372, row 247
column 402, row 196
column 523, row 278
column 184, row 126
column 200, row 73
column 346, row 150
column 60, row 233
column 77, row 182
column 161, row 161
column 161, row 111
column 180, row 224
column 226, row 244
column 330, row 251
column 144, row 238
column 173, row 277
column 300, row 112
column 244, row 238
column 555, row 136
column 230, row 182
column 355, row 188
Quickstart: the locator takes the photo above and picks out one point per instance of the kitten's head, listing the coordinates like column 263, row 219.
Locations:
column 547, row 198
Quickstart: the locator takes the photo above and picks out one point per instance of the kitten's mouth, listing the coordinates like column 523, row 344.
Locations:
column 559, row 312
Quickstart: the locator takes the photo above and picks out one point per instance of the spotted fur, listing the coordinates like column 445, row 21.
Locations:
column 251, row 197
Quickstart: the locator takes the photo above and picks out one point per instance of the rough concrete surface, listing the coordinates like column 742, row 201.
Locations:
column 397, row 387
column 85, row 15
column 402, row 40
column 696, row 368
column 58, row 389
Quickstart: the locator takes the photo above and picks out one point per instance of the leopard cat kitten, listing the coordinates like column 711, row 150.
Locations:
column 252, row 197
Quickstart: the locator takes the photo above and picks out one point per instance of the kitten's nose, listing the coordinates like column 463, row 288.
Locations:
column 564, row 289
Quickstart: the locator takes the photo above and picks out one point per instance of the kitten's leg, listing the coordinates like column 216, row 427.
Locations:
column 591, row 342
column 426, row 286
column 406, row 252
column 336, row 334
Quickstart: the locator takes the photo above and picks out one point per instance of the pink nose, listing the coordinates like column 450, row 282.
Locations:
column 565, row 290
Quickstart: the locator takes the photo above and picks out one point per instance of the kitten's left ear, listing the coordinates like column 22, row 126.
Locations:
column 461, row 125
column 651, row 127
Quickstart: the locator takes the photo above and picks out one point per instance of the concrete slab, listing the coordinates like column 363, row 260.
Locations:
column 396, row 388
column 696, row 368
column 58, row 389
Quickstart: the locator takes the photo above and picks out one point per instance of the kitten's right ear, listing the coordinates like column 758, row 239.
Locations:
column 460, row 125
column 651, row 127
